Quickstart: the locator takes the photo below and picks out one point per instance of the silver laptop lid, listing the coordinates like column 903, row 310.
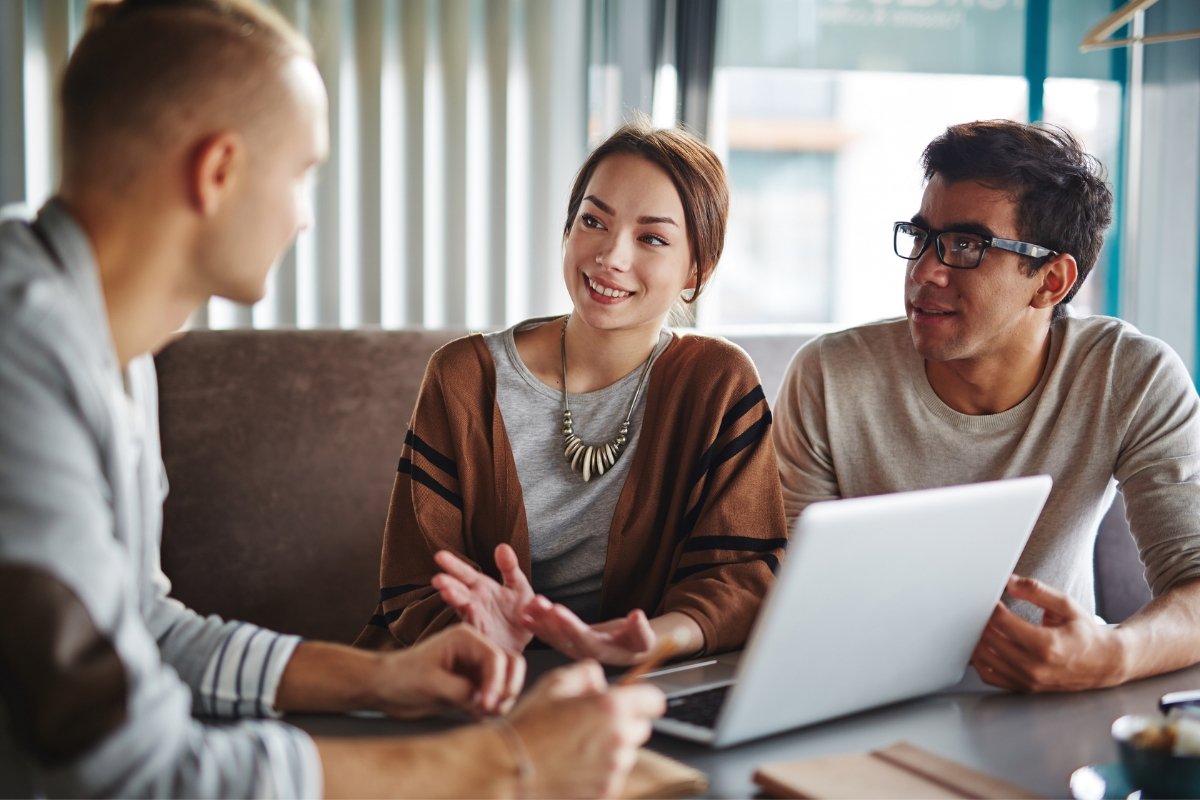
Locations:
column 878, row 599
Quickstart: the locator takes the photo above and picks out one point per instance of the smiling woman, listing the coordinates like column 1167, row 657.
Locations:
column 595, row 480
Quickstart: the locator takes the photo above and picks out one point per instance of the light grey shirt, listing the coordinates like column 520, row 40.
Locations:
column 81, row 490
column 856, row 416
column 569, row 519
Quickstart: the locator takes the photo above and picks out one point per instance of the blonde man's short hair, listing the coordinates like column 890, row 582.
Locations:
column 147, row 72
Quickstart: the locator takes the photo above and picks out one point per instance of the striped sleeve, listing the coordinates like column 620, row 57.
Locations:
column 243, row 675
column 744, row 426
column 252, row 758
column 430, row 469
column 289, row 765
column 732, row 536
column 425, row 513
column 713, row 551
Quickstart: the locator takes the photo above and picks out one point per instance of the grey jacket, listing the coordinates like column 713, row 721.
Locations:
column 104, row 676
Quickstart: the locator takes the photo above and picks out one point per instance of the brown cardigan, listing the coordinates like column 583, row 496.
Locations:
column 699, row 526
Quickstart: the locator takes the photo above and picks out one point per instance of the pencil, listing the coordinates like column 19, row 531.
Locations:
column 667, row 646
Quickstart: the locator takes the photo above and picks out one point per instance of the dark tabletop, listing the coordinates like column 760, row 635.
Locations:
column 1035, row 741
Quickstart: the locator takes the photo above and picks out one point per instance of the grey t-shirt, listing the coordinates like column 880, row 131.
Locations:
column 568, row 519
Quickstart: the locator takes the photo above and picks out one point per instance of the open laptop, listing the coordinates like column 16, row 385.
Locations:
column 879, row 599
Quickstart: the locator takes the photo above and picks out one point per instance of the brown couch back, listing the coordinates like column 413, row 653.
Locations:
column 281, row 448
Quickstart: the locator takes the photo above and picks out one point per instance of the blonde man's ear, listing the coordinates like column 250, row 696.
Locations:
column 215, row 170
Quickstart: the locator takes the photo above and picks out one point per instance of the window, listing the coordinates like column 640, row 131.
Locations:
column 821, row 111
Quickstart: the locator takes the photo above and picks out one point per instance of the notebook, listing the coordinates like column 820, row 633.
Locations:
column 879, row 599
column 657, row 776
column 902, row 770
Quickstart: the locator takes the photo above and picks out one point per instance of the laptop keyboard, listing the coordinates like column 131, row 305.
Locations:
column 700, row 708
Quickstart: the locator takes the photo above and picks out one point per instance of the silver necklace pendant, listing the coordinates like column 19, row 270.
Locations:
column 591, row 460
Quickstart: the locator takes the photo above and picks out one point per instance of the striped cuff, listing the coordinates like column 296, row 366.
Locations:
column 243, row 675
column 291, row 766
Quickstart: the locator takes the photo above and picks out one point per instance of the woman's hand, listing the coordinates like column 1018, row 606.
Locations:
column 621, row 641
column 493, row 609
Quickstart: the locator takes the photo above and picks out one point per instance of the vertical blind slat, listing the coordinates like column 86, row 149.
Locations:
column 540, row 58
column 329, row 209
column 475, row 230
column 305, row 249
column 455, row 224
column 14, row 163
column 392, row 288
column 413, row 28
column 434, row 185
column 47, row 33
column 497, row 72
column 280, row 307
column 518, row 190
column 369, row 17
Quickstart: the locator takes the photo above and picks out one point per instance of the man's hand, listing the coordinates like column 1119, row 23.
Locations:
column 583, row 737
column 1069, row 651
column 579, row 737
column 494, row 609
column 456, row 667
column 625, row 640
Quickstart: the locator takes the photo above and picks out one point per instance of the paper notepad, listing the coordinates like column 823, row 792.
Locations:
column 655, row 775
column 901, row 771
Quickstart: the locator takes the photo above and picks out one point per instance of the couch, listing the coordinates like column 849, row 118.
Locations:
column 281, row 447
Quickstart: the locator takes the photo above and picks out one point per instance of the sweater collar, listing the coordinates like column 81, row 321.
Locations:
column 71, row 250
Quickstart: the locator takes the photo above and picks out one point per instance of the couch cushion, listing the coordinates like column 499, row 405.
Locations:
column 1121, row 587
column 281, row 448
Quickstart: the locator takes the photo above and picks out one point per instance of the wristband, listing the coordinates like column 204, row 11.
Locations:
column 520, row 756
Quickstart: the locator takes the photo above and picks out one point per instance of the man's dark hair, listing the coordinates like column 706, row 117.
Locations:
column 1062, row 199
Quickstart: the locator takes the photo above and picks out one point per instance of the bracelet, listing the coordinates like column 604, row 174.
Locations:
column 516, row 748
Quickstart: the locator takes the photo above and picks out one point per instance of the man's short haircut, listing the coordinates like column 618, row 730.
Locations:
column 1062, row 199
column 147, row 71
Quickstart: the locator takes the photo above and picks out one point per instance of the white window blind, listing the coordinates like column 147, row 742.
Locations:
column 455, row 129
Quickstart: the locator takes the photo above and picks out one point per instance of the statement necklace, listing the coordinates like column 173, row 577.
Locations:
column 593, row 459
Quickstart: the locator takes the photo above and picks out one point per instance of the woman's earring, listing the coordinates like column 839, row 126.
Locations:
column 692, row 289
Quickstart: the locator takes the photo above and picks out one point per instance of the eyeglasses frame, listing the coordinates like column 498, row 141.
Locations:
column 1010, row 245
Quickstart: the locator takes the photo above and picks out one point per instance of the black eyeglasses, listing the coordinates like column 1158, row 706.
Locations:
column 957, row 249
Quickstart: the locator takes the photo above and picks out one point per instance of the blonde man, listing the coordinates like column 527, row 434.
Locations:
column 190, row 129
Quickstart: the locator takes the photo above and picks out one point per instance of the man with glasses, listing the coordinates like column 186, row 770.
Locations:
column 988, row 377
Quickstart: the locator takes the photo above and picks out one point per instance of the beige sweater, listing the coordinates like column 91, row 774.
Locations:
column 699, row 526
column 856, row 416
